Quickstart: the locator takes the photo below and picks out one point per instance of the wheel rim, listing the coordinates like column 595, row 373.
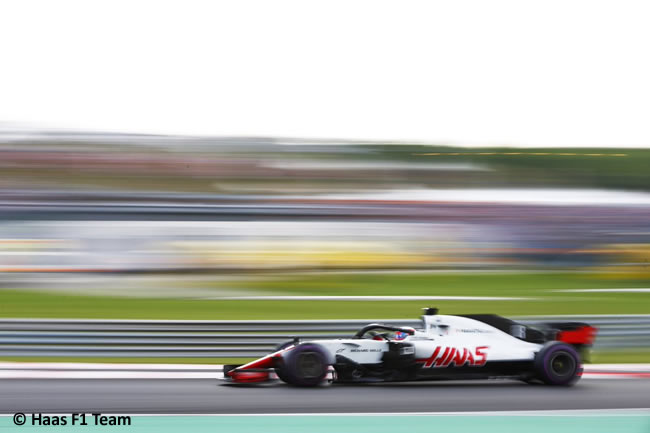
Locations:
column 562, row 364
column 309, row 365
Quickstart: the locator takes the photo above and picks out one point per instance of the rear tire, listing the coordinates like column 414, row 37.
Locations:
column 305, row 365
column 558, row 364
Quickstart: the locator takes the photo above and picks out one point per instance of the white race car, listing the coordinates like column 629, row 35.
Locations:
column 480, row 346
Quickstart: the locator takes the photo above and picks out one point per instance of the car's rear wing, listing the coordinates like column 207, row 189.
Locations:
column 575, row 333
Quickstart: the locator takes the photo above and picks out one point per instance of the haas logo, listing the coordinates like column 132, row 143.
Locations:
column 456, row 357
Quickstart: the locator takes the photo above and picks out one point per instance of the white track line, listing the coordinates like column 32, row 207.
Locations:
column 65, row 370
column 368, row 298
column 631, row 290
column 48, row 374
column 53, row 370
column 618, row 367
column 105, row 366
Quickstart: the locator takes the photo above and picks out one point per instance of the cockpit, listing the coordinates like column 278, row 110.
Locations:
column 377, row 331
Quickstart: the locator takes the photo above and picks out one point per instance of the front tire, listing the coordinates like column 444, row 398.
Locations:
column 305, row 365
column 558, row 364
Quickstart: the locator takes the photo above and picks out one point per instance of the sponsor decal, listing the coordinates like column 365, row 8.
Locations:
column 457, row 357
column 366, row 350
column 473, row 331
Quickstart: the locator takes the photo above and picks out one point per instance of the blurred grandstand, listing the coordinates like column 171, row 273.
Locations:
column 96, row 203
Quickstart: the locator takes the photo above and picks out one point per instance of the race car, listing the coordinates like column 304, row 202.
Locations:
column 446, row 347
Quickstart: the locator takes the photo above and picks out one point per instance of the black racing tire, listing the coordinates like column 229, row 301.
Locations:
column 306, row 365
column 558, row 364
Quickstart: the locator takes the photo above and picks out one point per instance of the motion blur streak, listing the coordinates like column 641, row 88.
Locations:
column 253, row 204
column 130, row 226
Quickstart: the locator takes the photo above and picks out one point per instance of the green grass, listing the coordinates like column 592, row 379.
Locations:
column 46, row 305
column 538, row 288
column 469, row 284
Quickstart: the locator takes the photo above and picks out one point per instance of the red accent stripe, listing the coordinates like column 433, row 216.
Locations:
column 444, row 356
column 267, row 361
column 461, row 358
column 249, row 376
column 429, row 362
column 452, row 353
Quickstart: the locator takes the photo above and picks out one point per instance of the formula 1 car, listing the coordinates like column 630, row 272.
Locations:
column 482, row 346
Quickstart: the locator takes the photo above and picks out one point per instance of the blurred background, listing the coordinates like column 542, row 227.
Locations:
column 99, row 225
column 166, row 161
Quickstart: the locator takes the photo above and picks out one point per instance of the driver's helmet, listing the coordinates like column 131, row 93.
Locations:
column 399, row 335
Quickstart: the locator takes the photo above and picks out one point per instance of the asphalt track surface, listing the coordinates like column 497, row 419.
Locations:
column 207, row 396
